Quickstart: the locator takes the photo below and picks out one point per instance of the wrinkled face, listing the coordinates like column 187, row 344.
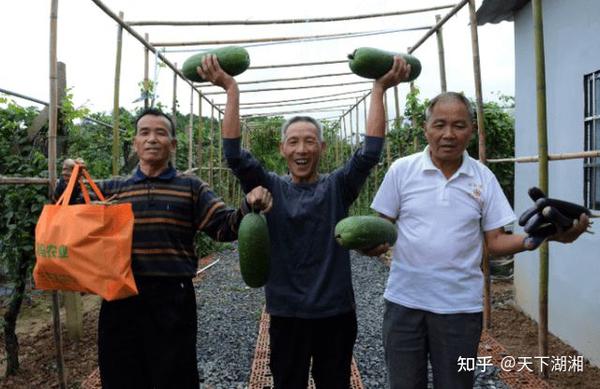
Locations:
column 153, row 142
column 302, row 149
column 448, row 132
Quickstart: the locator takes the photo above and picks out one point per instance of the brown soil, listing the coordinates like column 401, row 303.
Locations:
column 516, row 332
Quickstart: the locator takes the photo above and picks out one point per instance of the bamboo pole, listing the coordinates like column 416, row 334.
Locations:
column 8, row 92
column 210, row 150
column 146, row 72
column 297, row 64
column 4, row 180
column 477, row 77
column 388, row 151
column 204, row 84
column 116, row 114
column 366, row 119
column 298, row 103
column 542, row 135
column 281, row 21
column 191, row 130
column 413, row 119
column 71, row 300
column 351, row 128
column 295, row 87
column 397, row 106
column 52, row 130
column 220, row 149
column 174, row 117
column 487, row 291
column 303, row 98
column 200, row 133
column 442, row 61
column 551, row 157
column 308, row 109
column 285, row 38
column 343, row 121
column 357, row 125
column 330, row 109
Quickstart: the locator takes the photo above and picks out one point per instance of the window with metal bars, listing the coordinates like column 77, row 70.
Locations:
column 591, row 166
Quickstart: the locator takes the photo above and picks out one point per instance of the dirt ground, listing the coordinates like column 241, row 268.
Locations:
column 511, row 328
column 518, row 334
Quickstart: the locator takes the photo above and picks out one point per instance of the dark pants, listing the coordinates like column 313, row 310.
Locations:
column 329, row 341
column 411, row 335
column 149, row 340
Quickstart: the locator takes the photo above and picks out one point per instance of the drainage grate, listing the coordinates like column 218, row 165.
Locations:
column 261, row 378
column 93, row 381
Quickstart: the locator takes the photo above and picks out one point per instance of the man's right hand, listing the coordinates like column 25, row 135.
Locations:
column 211, row 71
column 68, row 166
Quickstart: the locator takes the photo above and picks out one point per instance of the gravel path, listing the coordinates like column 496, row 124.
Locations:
column 228, row 316
column 229, row 312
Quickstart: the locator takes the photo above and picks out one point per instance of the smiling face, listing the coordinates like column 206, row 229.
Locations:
column 302, row 150
column 448, row 131
column 153, row 142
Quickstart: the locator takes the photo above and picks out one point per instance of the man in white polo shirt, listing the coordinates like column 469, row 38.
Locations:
column 444, row 204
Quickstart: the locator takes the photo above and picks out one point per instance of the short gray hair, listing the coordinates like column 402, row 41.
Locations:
column 450, row 96
column 307, row 119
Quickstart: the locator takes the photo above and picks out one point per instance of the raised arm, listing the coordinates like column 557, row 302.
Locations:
column 376, row 118
column 212, row 72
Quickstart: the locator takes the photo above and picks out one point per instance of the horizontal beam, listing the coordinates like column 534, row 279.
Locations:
column 294, row 87
column 551, row 157
column 325, row 109
column 298, row 103
column 284, row 39
column 6, row 91
column 281, row 21
column 4, row 180
column 205, row 84
column 289, row 65
column 303, row 98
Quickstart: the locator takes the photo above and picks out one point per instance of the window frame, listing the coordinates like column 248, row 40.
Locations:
column 591, row 125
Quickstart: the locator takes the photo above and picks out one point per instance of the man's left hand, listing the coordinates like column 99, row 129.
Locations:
column 211, row 71
column 570, row 235
column 375, row 251
column 260, row 199
column 399, row 72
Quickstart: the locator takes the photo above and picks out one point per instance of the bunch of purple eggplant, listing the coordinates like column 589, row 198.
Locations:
column 547, row 217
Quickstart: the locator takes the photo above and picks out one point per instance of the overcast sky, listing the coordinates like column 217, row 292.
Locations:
column 87, row 44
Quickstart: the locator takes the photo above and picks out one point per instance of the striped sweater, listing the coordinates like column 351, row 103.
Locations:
column 168, row 210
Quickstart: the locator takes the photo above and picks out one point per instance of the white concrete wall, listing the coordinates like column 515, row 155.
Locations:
column 572, row 45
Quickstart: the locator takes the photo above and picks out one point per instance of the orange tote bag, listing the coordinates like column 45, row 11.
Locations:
column 85, row 247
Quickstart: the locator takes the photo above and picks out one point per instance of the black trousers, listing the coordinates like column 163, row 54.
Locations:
column 329, row 341
column 149, row 340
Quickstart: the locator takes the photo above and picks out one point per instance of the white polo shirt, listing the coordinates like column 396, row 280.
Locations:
column 437, row 257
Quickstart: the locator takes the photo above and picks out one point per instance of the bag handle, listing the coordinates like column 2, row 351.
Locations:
column 92, row 184
column 66, row 196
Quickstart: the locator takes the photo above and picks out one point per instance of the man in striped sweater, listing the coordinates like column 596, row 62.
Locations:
column 149, row 340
